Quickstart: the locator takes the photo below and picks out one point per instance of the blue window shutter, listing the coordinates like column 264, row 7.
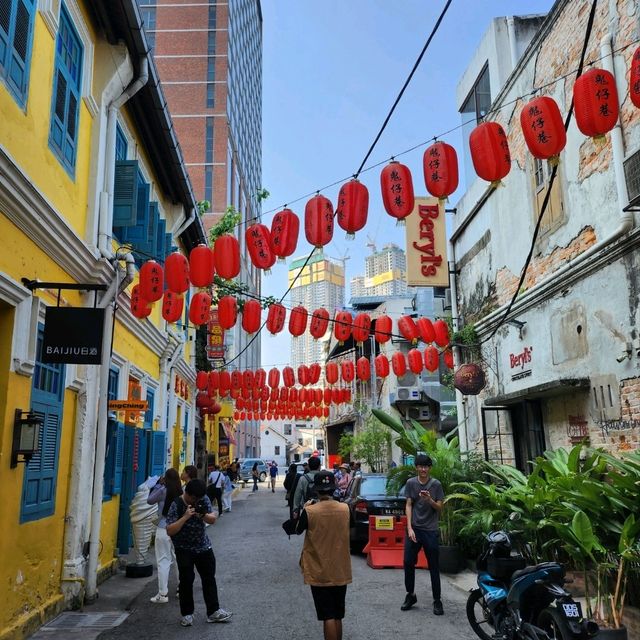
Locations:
column 158, row 452
column 109, row 461
column 119, row 459
column 160, row 252
column 138, row 235
column 19, row 54
column 5, row 30
column 125, row 193
column 121, row 144
column 148, row 415
column 152, row 229
column 168, row 244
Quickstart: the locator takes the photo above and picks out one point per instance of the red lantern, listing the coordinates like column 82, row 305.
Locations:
column 415, row 361
column 140, row 308
column 240, row 404
column 226, row 256
column 325, row 412
column 318, row 221
column 361, row 327
column 236, row 380
column 247, row 379
column 302, row 395
column 342, row 326
column 260, row 378
column 408, row 329
column 314, row 373
column 203, row 401
column 225, row 382
column 634, row 78
column 447, row 358
column 319, row 323
column 346, row 395
column 595, row 100
column 213, row 383
column 399, row 364
column 258, row 239
column 336, row 395
column 285, row 228
column 440, row 165
column 331, row 372
column 199, row 309
column 275, row 318
column 215, row 408
column 236, row 416
column 176, row 272
column 227, row 312
column 353, row 206
column 348, row 371
column 426, row 330
column 288, row 377
column 303, row 375
column 293, row 395
column 172, row 306
column 274, row 378
column 202, row 380
column 543, row 128
column 251, row 316
column 397, row 190
column 151, row 281
column 384, row 327
column 363, row 368
column 441, row 330
column 297, row 321
column 381, row 363
column 243, row 415
column 431, row 357
column 201, row 267
column 490, row 152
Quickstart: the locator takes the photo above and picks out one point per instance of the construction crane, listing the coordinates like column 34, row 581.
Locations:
column 342, row 260
column 371, row 243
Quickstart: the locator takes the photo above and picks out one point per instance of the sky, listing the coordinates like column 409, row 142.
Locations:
column 331, row 71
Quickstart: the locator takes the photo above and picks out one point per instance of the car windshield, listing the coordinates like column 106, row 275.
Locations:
column 373, row 486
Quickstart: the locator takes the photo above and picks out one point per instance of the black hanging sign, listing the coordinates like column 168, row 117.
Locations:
column 73, row 335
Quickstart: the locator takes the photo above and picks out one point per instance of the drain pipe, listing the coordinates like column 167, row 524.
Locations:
column 107, row 303
column 106, row 197
column 168, row 355
column 188, row 219
column 511, row 30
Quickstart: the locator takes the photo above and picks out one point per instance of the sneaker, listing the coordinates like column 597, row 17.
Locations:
column 437, row 608
column 186, row 621
column 220, row 616
column 159, row 598
column 409, row 601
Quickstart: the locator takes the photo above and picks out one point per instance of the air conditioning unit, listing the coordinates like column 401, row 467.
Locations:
column 632, row 178
column 407, row 394
column 420, row 413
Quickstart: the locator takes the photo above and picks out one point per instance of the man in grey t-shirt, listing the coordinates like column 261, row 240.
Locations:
column 424, row 502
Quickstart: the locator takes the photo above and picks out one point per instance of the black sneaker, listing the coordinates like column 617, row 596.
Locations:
column 409, row 601
column 437, row 608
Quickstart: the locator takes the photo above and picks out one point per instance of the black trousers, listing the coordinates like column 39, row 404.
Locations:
column 428, row 540
column 215, row 493
column 205, row 563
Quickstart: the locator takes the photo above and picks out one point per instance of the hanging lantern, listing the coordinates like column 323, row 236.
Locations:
column 440, row 165
column 595, row 100
column 363, row 368
column 347, row 371
column 200, row 308
column 399, row 364
column 227, row 312
column 325, row 412
column 346, row 395
column 176, row 272
column 201, row 267
column 318, row 221
column 203, row 401
column 258, row 238
column 247, row 379
column 251, row 316
column 431, row 357
column 293, row 395
column 634, row 78
column 243, row 415
column 297, row 321
column 426, row 330
column 140, row 308
column 384, row 327
column 215, row 408
column 319, row 323
column 236, row 416
column 317, row 396
column 342, row 326
column 288, row 377
column 408, row 329
column 151, row 281
column 469, row 379
column 381, row 364
column 225, row 382
column 260, row 378
column 276, row 316
column 285, row 228
column 543, row 128
column 202, row 380
column 226, row 256
column 314, row 373
column 240, row 404
column 441, row 330
column 302, row 395
column 397, row 190
column 213, row 382
column 326, row 395
column 353, row 206
column 303, row 375
column 172, row 306
column 361, row 327
column 274, row 378
column 447, row 358
column 331, row 372
column 234, row 393
column 415, row 361
column 336, row 395
column 490, row 152
column 236, row 380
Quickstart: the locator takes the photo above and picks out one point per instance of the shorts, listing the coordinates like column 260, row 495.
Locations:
column 329, row 602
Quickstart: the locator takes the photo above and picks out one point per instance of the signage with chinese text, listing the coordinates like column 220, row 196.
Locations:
column 73, row 335
column 215, row 338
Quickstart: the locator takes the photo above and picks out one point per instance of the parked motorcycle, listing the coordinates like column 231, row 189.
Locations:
column 516, row 602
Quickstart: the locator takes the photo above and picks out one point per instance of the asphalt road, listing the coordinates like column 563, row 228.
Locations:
column 260, row 582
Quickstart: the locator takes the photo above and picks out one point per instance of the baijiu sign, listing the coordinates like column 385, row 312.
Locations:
column 73, row 335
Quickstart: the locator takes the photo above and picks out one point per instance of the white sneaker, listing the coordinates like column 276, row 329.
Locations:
column 159, row 598
column 186, row 621
column 220, row 616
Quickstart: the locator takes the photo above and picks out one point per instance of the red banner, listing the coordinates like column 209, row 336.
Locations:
column 215, row 342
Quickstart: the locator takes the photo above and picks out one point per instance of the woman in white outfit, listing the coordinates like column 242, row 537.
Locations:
column 167, row 489
column 227, row 491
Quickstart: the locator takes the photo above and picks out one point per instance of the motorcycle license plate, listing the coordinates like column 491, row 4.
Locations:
column 572, row 610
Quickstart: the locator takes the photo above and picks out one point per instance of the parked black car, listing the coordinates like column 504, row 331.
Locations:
column 367, row 496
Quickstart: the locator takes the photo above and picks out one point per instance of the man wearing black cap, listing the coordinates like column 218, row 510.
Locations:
column 325, row 560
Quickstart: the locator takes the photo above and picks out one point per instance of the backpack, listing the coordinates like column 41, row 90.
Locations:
column 311, row 492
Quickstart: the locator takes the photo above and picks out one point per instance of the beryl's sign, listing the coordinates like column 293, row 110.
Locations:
column 73, row 335
column 427, row 264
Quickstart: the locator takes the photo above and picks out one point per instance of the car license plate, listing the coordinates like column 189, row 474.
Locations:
column 572, row 610
column 393, row 512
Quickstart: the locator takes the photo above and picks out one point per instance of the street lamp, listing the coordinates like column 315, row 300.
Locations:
column 26, row 436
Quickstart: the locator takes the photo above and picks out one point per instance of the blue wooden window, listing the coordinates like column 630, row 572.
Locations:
column 111, row 444
column 121, row 144
column 125, row 193
column 158, row 453
column 65, row 104
column 16, row 38
column 41, row 472
column 148, row 415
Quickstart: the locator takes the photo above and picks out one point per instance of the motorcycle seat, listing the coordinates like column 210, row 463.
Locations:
column 532, row 569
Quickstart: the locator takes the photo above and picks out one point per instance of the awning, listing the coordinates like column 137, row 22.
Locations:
column 350, row 418
column 548, row 389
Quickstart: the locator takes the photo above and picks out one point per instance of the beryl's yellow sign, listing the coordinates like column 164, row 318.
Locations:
column 427, row 264
column 384, row 523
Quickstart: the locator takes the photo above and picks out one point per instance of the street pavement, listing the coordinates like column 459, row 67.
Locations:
column 259, row 580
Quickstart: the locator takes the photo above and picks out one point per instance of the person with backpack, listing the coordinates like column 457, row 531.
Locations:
column 273, row 474
column 215, row 487
column 304, row 490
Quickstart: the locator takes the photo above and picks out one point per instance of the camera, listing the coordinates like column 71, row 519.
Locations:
column 200, row 507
